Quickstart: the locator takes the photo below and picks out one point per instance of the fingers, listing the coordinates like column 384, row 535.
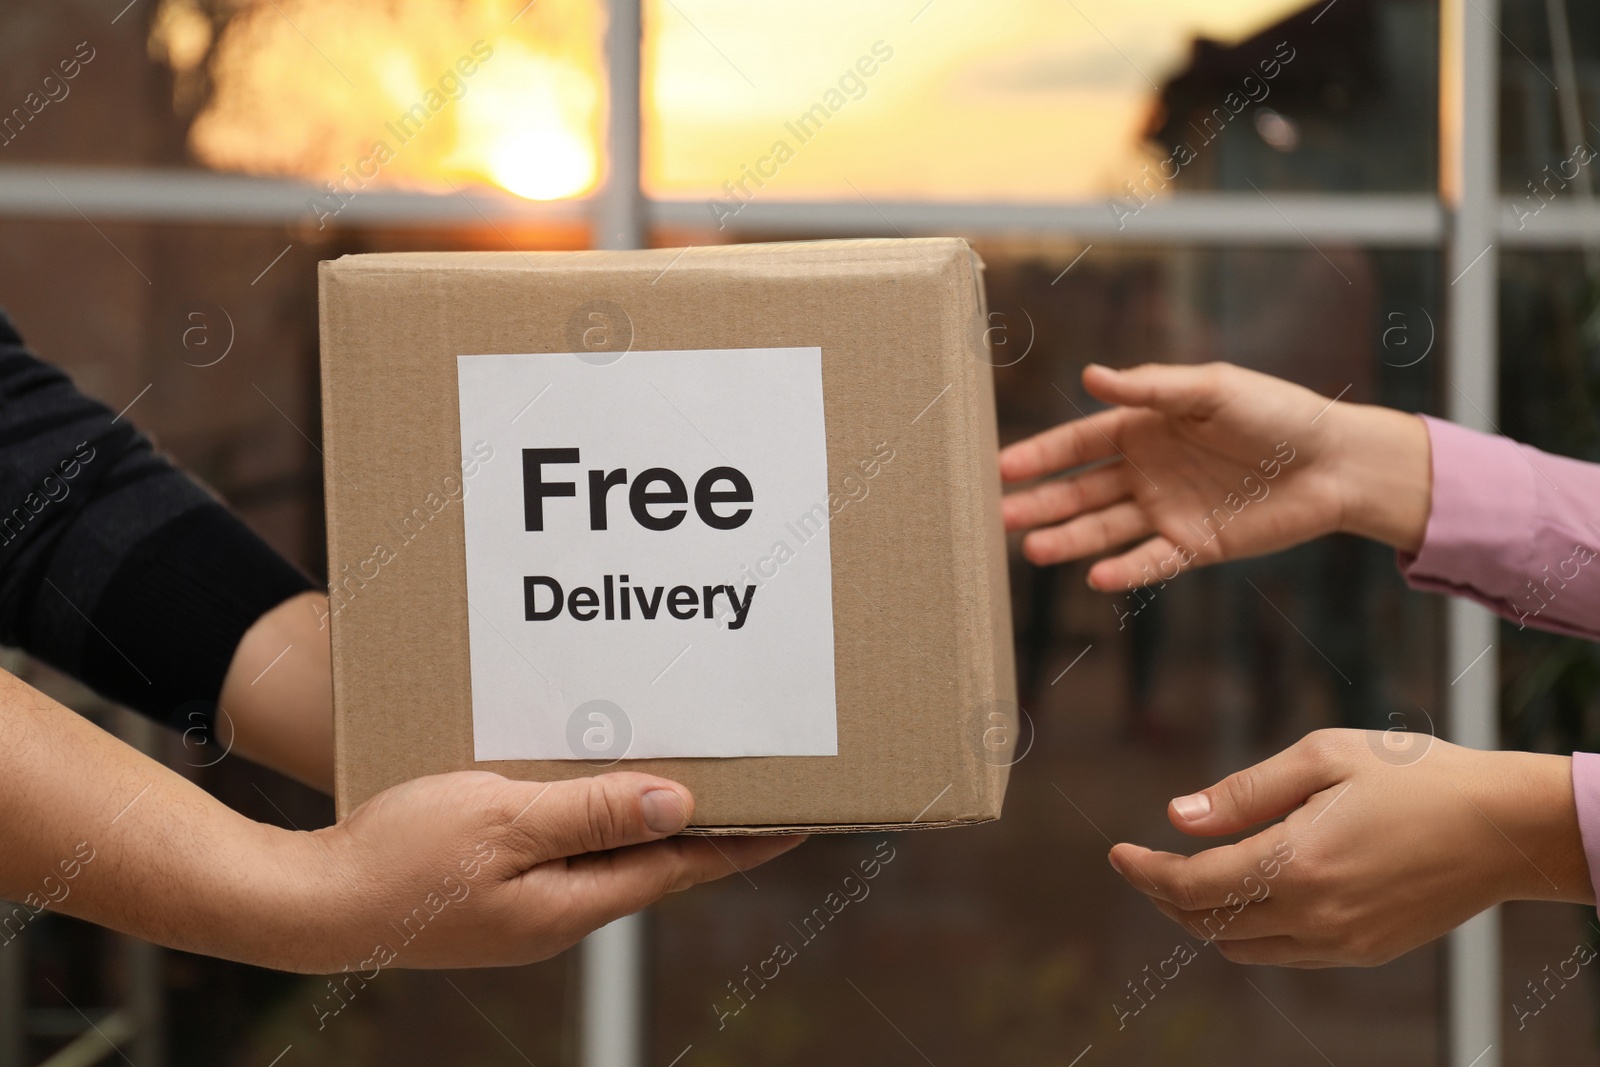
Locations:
column 1221, row 896
column 1280, row 951
column 1172, row 388
column 1157, row 559
column 1270, row 789
column 608, row 886
column 1064, row 498
column 1072, row 444
column 1246, row 918
column 1216, row 878
column 555, row 819
column 1087, row 535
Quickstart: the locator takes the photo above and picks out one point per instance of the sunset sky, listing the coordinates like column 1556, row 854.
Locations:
column 1015, row 100
column 1007, row 100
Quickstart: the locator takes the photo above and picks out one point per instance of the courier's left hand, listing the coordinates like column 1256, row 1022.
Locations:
column 1391, row 839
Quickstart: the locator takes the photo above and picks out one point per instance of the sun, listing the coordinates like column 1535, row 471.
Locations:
column 542, row 164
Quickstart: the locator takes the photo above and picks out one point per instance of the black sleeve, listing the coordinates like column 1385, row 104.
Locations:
column 115, row 567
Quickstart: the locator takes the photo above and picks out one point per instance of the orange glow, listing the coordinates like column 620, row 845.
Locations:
column 543, row 164
column 1026, row 100
column 409, row 93
column 531, row 131
column 1023, row 101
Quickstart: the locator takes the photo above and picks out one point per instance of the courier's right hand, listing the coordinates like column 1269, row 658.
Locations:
column 474, row 870
column 1200, row 464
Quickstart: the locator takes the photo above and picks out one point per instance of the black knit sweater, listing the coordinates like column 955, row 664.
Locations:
column 115, row 567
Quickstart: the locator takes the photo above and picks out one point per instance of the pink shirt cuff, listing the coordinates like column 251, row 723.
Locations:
column 1586, row 794
column 1481, row 506
column 1512, row 528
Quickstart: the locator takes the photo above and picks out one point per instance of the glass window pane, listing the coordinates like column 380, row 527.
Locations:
column 1549, row 100
column 1037, row 101
column 358, row 94
column 74, row 89
column 1016, row 942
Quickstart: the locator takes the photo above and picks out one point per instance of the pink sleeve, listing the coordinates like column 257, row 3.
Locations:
column 1513, row 528
column 1586, row 792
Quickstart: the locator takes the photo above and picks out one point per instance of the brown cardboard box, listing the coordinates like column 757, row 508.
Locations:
column 922, row 656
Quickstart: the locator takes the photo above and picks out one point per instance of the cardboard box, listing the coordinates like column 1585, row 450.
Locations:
column 555, row 431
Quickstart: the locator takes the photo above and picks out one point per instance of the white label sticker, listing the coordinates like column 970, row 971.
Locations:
column 648, row 574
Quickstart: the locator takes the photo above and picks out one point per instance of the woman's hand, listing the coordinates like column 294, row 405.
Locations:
column 1202, row 464
column 1391, row 840
column 474, row 870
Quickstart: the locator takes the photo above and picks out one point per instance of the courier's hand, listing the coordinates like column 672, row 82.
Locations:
column 473, row 870
column 1210, row 463
column 1391, row 840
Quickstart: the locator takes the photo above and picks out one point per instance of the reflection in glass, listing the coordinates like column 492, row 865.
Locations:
column 1038, row 101
column 413, row 94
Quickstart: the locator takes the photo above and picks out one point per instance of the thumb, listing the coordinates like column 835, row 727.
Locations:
column 1261, row 793
column 556, row 819
column 1171, row 388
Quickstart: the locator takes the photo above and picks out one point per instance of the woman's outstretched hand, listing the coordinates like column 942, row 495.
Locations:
column 1199, row 464
column 1391, row 839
